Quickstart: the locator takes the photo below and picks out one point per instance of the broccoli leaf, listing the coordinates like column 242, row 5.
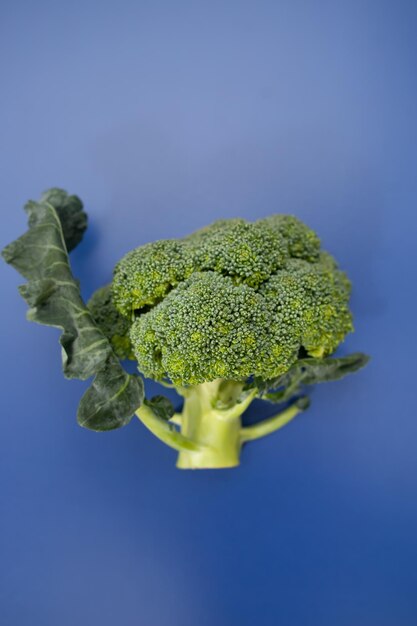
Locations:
column 71, row 215
column 161, row 406
column 323, row 370
column 309, row 371
column 54, row 299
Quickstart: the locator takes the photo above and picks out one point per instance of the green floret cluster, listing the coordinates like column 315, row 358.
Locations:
column 233, row 300
column 115, row 326
column 145, row 275
column 207, row 328
column 247, row 252
column 312, row 300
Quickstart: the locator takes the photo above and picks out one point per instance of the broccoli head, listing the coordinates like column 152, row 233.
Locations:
column 231, row 301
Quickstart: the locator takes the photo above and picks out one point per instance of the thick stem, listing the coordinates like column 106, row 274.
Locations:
column 211, row 428
column 216, row 430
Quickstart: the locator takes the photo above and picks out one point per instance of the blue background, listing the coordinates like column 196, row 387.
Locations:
column 163, row 116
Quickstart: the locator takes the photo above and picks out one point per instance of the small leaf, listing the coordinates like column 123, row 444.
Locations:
column 302, row 403
column 310, row 371
column 161, row 406
column 323, row 370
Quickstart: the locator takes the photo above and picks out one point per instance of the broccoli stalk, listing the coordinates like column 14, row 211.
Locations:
column 212, row 417
column 211, row 433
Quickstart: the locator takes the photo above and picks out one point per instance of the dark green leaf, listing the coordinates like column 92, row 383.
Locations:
column 71, row 215
column 112, row 398
column 287, row 388
column 54, row 299
column 161, row 406
column 310, row 371
column 263, row 385
column 323, row 370
column 303, row 403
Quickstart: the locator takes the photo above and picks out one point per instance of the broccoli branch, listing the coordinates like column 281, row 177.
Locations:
column 165, row 431
column 268, row 426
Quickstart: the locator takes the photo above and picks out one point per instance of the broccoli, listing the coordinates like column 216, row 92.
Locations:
column 112, row 324
column 233, row 312
column 232, row 303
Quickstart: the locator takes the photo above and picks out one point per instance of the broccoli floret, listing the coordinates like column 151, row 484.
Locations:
column 312, row 298
column 302, row 242
column 233, row 300
column 208, row 328
column 249, row 253
column 145, row 275
column 112, row 324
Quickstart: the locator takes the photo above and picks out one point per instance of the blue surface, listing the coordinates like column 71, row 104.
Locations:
column 163, row 116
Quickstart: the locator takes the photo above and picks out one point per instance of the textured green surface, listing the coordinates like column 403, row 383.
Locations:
column 112, row 324
column 233, row 300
